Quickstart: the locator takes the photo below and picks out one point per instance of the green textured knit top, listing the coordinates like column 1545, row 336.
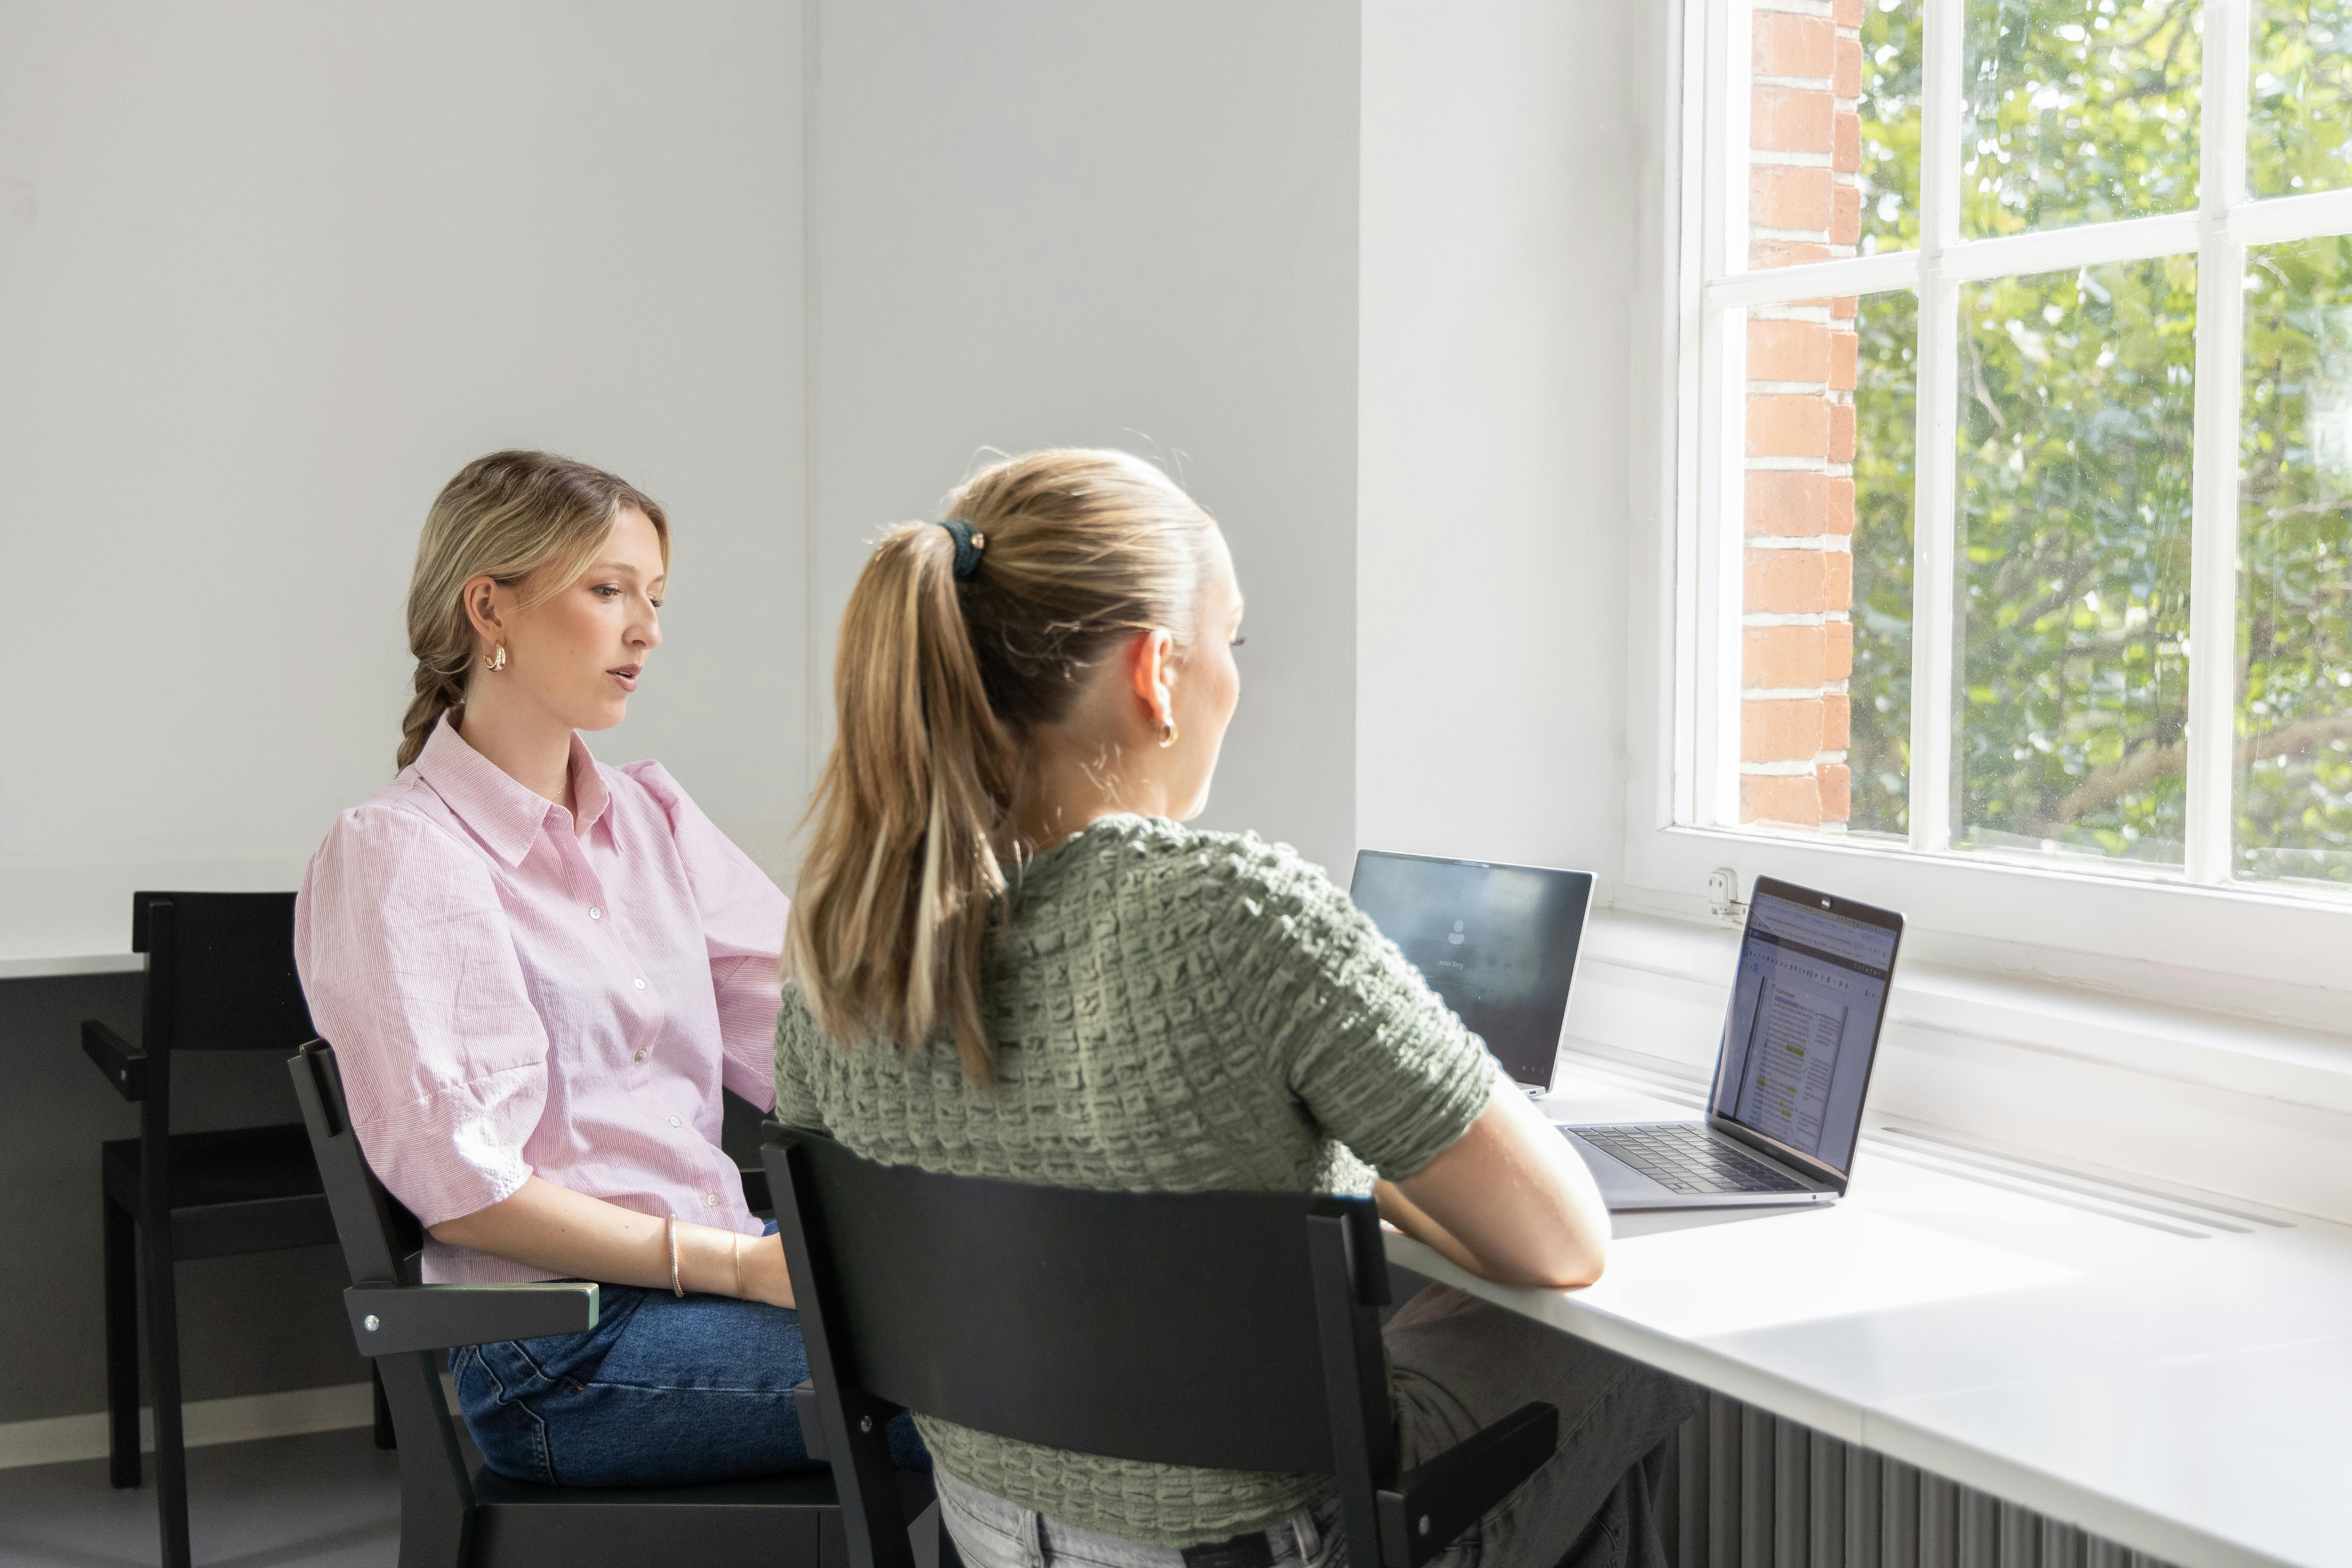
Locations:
column 1171, row 1011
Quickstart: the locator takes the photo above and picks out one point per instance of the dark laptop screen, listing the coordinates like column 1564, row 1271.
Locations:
column 1498, row 942
column 1804, row 1021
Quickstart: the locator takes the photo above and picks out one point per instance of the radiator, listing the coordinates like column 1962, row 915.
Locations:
column 1749, row 1490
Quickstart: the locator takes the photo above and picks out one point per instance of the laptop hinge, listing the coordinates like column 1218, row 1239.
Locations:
column 1795, row 1165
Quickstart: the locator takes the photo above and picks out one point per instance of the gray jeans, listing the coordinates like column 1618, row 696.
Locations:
column 1457, row 1363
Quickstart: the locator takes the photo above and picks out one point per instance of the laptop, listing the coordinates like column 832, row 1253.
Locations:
column 1806, row 1009
column 1498, row 942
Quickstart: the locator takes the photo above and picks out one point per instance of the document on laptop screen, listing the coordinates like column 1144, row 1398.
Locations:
column 1804, row 1016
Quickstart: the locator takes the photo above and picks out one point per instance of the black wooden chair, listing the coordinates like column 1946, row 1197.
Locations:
column 1077, row 1320
column 455, row 1515
column 220, row 977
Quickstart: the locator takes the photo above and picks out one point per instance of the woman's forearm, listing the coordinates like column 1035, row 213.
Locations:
column 544, row 1226
column 1401, row 1212
column 1516, row 1199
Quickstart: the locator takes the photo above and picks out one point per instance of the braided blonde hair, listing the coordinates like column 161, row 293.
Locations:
column 507, row 516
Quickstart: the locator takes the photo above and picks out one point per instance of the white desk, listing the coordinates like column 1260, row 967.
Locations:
column 76, row 919
column 2179, row 1380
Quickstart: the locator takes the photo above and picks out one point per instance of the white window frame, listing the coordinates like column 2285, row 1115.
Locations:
column 2190, row 933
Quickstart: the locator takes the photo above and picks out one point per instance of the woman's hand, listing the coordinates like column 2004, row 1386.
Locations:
column 547, row 1227
column 764, row 1278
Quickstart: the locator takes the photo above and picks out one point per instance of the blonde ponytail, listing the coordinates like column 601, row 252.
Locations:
column 939, row 682
column 506, row 516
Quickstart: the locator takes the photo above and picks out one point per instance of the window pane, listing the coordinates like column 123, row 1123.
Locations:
column 1797, row 525
column 1826, row 710
column 2075, row 412
column 1879, row 751
column 2077, row 111
column 1889, row 111
column 1812, row 86
column 2299, row 112
column 2294, row 584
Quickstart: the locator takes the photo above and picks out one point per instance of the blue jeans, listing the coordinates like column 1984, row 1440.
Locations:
column 661, row 1391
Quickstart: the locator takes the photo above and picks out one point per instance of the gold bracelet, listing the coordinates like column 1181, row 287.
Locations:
column 675, row 1288
column 738, row 1265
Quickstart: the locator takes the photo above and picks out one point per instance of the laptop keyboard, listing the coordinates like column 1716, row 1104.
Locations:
column 1682, row 1157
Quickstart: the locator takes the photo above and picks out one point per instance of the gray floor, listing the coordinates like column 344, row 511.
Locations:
column 326, row 1500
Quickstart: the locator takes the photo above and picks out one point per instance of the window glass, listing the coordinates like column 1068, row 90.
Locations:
column 1879, row 692
column 1888, row 110
column 2077, row 111
column 2299, row 106
column 2076, row 410
column 2294, row 797
column 1796, row 526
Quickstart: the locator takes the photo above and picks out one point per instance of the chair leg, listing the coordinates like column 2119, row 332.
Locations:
column 163, row 1367
column 121, row 1248
column 385, row 1437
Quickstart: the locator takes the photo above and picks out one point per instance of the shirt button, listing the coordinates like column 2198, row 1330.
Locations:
column 594, row 913
column 641, row 986
column 641, row 1056
column 711, row 1199
column 673, row 1122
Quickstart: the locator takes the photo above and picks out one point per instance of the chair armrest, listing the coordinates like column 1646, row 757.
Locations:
column 812, row 1424
column 389, row 1319
column 755, row 1191
column 1436, row 1502
column 124, row 1064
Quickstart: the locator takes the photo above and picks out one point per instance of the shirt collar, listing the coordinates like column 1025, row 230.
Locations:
column 501, row 812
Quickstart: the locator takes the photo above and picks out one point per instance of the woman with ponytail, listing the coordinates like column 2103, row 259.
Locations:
column 1010, row 959
column 539, row 972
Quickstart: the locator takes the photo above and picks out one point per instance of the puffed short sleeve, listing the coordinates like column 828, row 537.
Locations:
column 409, row 965
column 742, row 926
column 1367, row 1047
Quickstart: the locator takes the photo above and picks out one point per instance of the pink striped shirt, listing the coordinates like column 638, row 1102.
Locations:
column 511, row 993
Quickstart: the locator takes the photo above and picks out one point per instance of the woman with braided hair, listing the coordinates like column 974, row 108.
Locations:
column 539, row 972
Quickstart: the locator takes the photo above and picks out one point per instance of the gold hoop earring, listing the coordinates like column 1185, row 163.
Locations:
column 496, row 661
column 1167, row 732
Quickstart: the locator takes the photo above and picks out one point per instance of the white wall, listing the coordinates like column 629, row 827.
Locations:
column 1501, row 173
column 1056, row 221
column 269, row 273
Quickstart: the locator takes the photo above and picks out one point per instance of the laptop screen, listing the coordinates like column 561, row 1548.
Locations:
column 1498, row 942
column 1804, row 1019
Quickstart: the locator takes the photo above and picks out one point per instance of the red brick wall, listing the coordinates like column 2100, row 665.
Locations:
column 1804, row 204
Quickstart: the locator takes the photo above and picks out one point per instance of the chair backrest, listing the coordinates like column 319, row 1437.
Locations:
column 1233, row 1331
column 379, row 1237
column 220, row 972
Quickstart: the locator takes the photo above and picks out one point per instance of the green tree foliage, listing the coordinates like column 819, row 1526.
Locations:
column 1885, row 438
column 2077, row 404
column 1885, row 423
column 2076, row 408
column 2295, row 631
column 2299, row 108
column 2077, row 111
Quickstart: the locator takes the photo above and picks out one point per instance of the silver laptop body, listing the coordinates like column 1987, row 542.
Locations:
column 1799, row 1038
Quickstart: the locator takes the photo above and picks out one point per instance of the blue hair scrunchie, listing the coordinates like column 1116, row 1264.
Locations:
column 967, row 547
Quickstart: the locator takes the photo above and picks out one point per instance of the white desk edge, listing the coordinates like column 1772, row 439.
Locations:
column 1851, row 1422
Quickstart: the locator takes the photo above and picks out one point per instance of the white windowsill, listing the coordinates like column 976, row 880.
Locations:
column 2090, row 1077
column 2280, row 957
